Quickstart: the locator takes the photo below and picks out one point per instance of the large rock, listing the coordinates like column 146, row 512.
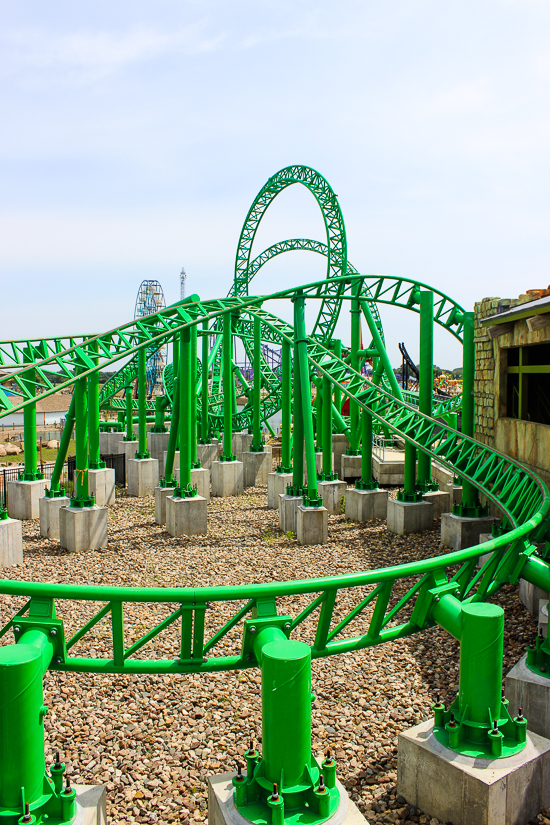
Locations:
column 2, row 450
column 12, row 449
column 53, row 445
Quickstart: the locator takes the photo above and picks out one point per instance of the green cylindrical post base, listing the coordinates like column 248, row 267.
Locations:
column 410, row 493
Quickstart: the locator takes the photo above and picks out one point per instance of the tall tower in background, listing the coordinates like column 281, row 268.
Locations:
column 183, row 284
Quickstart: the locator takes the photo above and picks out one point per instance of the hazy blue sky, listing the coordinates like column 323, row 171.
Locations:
column 135, row 135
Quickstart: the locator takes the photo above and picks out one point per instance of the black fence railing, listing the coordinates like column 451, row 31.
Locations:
column 115, row 461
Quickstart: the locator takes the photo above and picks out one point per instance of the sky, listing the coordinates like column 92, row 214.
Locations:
column 134, row 137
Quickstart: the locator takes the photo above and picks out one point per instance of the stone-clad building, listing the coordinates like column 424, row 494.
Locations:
column 512, row 377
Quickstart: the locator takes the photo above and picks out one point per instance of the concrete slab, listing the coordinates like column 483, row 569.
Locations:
column 101, row 485
column 405, row 517
column 389, row 473
column 227, row 478
column 186, row 516
column 276, row 486
column 455, row 491
column 311, row 525
column 143, row 476
column 256, row 467
column 332, row 493
column 288, row 512
column 222, row 809
column 157, row 444
column 240, row 444
column 366, row 505
column 24, row 498
column 441, row 502
column 207, row 453
column 129, row 448
column 468, row 791
column 11, row 542
column 339, row 446
column 83, row 528
column 108, row 443
column 458, row 532
column 161, row 494
column 350, row 466
column 530, row 692
column 91, row 805
column 49, row 516
column 530, row 596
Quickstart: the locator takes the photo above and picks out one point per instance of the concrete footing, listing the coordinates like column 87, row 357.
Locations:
column 83, row 528
column 469, row 791
column 441, row 502
column 458, row 532
column 222, row 810
column 530, row 596
column 530, row 692
column 332, row 493
column 365, row 505
column 312, row 525
column 143, row 476
column 108, row 443
column 207, row 453
column 11, row 542
column 351, row 466
column 101, row 485
column 276, row 486
column 455, row 491
column 161, row 494
column 241, row 444
column 339, row 446
column 24, row 498
column 256, row 467
column 389, row 473
column 49, row 516
column 288, row 512
column 91, row 804
column 157, row 444
column 186, row 516
column 406, row 517
column 227, row 478
column 129, row 448
column 200, row 478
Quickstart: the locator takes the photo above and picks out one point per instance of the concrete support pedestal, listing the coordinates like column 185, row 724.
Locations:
column 458, row 532
column 157, row 444
column 227, row 478
column 530, row 595
column 24, row 498
column 161, row 494
column 222, row 810
column 332, row 493
column 108, row 443
column 143, row 476
column 366, row 505
column 312, row 525
column 200, row 478
column 241, row 444
column 388, row 473
column 468, row 791
column 339, row 446
column 49, row 516
column 256, row 467
column 11, row 542
column 288, row 512
column 351, row 467
column 83, row 528
column 276, row 486
column 129, row 448
column 186, row 516
column 207, row 453
column 406, row 517
column 101, row 484
column 91, row 804
column 455, row 491
column 530, row 692
column 441, row 502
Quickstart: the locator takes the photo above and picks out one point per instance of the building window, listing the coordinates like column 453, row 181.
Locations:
column 528, row 383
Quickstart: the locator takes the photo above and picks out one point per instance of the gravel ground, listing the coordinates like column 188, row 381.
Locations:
column 155, row 740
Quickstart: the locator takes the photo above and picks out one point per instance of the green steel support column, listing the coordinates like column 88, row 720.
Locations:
column 337, row 349
column 129, row 415
column 142, row 405
column 286, row 422
column 478, row 722
column 469, row 506
column 312, row 499
column 228, row 391
column 55, row 491
column 318, row 384
column 205, row 429
column 29, row 428
column 257, row 444
column 195, row 463
column 355, row 312
column 328, row 473
column 94, row 457
column 409, row 492
column 184, row 489
column 169, row 480
column 161, row 403
column 81, row 497
column 297, row 488
column 425, row 383
column 366, row 482
column 378, row 343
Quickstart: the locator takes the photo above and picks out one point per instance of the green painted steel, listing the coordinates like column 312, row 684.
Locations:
column 142, row 407
column 286, row 408
column 94, row 458
column 257, row 444
column 205, row 429
column 425, row 383
column 228, row 389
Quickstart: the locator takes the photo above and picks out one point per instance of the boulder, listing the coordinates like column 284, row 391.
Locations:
column 52, row 445
column 2, row 450
column 12, row 449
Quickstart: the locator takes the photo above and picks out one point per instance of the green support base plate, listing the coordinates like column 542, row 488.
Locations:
column 409, row 498
column 366, row 485
column 481, row 741
column 538, row 657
